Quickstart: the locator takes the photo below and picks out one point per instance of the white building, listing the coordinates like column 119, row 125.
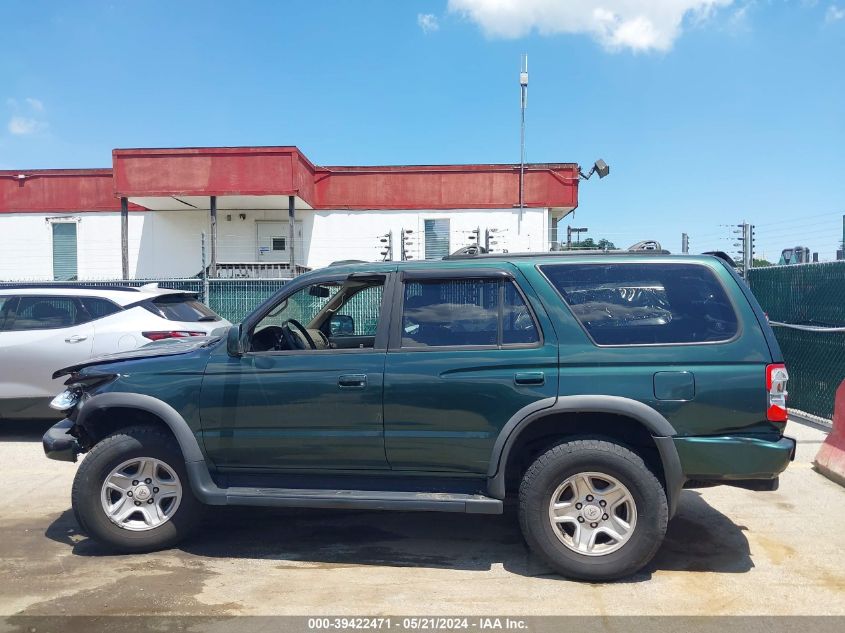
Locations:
column 152, row 214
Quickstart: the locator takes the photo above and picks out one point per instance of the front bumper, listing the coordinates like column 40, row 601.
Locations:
column 732, row 459
column 59, row 444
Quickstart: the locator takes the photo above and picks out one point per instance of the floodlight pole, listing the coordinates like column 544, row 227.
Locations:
column 523, row 87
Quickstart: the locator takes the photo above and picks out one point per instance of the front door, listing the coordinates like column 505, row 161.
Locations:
column 41, row 334
column 272, row 241
column 469, row 350
column 307, row 394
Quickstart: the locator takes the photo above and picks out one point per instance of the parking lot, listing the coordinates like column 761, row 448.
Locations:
column 728, row 551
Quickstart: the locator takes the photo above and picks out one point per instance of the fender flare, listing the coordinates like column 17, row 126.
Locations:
column 198, row 473
column 658, row 426
column 179, row 427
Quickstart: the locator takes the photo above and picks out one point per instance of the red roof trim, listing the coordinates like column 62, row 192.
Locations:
column 284, row 170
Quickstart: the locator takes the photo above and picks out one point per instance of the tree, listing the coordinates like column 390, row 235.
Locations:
column 589, row 243
column 759, row 263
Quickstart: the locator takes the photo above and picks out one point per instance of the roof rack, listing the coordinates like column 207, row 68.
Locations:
column 570, row 253
column 645, row 247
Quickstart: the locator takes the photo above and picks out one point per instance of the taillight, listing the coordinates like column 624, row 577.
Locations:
column 158, row 336
column 776, row 377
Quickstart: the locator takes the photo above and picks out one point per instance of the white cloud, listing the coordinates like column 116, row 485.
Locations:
column 427, row 22
column 638, row 25
column 21, row 126
column 25, row 119
column 35, row 104
column 738, row 20
column 834, row 14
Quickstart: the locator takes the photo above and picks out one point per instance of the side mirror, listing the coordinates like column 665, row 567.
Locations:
column 342, row 325
column 234, row 345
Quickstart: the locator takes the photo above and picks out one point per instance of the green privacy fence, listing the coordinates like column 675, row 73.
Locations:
column 807, row 295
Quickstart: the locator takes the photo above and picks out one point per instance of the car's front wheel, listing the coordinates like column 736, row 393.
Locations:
column 593, row 510
column 132, row 492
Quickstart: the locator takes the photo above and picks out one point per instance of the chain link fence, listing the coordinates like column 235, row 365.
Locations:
column 808, row 296
column 805, row 295
column 232, row 299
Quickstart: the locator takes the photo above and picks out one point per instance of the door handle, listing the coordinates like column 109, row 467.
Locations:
column 76, row 338
column 352, row 381
column 529, row 378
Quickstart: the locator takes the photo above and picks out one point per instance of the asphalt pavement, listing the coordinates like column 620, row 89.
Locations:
column 728, row 551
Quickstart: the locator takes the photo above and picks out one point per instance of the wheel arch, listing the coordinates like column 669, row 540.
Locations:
column 648, row 421
column 97, row 406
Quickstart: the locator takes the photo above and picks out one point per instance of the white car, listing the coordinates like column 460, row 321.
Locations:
column 45, row 329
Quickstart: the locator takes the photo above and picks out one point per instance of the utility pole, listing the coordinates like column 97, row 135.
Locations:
column 684, row 243
column 406, row 240
column 750, row 246
column 387, row 240
column 570, row 230
column 475, row 236
column 292, row 235
column 523, row 88
column 840, row 254
column 746, row 241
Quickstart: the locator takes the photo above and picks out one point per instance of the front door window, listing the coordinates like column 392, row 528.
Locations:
column 325, row 315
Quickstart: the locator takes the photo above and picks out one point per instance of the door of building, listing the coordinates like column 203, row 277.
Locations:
column 272, row 242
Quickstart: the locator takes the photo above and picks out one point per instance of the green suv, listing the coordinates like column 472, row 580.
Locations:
column 591, row 387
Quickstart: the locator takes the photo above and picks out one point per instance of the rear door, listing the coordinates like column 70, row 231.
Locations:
column 42, row 334
column 678, row 335
column 468, row 350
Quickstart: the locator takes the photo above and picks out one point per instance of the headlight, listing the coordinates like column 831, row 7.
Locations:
column 65, row 400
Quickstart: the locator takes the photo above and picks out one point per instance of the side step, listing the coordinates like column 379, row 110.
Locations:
column 209, row 493
column 363, row 499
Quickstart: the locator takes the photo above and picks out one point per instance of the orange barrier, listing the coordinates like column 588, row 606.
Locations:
column 830, row 460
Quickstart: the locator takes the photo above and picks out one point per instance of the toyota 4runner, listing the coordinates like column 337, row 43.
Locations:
column 591, row 387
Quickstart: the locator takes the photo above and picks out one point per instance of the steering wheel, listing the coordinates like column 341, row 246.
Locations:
column 289, row 338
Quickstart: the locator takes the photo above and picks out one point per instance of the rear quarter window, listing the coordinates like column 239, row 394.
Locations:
column 646, row 304
column 98, row 308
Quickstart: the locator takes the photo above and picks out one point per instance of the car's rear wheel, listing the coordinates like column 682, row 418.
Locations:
column 132, row 492
column 592, row 510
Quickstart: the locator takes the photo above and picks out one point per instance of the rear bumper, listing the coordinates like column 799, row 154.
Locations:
column 733, row 459
column 59, row 444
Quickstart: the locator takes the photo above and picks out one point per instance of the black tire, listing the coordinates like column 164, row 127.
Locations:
column 552, row 468
column 123, row 445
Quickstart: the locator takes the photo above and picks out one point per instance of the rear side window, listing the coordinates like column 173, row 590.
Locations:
column 465, row 312
column 646, row 304
column 44, row 313
column 181, row 308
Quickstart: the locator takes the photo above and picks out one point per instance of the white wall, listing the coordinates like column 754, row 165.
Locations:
column 169, row 243
column 334, row 235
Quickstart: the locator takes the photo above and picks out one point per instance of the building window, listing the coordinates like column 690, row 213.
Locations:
column 436, row 239
column 279, row 243
column 64, row 251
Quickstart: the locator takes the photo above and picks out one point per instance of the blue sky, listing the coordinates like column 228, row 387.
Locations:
column 708, row 111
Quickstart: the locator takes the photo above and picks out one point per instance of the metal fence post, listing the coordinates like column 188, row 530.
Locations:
column 205, row 284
